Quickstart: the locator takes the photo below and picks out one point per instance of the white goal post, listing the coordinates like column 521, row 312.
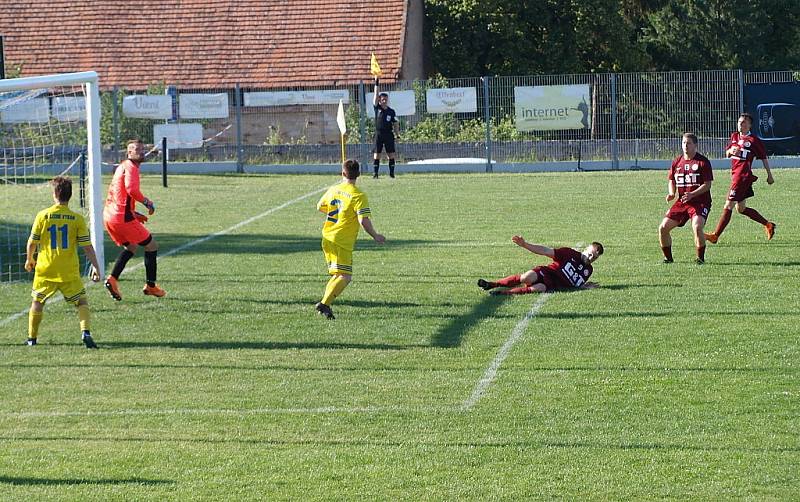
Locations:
column 90, row 83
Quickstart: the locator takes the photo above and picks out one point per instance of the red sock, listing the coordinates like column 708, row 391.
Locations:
column 511, row 280
column 754, row 215
column 723, row 221
column 523, row 290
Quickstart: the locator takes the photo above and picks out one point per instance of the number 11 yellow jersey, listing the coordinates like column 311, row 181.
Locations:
column 59, row 231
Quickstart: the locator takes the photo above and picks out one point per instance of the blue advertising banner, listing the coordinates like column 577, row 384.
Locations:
column 776, row 110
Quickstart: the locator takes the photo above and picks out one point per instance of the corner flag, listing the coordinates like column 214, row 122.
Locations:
column 374, row 67
column 340, row 118
column 342, row 124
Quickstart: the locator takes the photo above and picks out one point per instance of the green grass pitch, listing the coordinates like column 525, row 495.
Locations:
column 670, row 381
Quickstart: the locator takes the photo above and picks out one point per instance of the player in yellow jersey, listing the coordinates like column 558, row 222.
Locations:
column 57, row 232
column 346, row 208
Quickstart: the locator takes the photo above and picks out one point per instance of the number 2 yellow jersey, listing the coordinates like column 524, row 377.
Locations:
column 59, row 231
column 344, row 203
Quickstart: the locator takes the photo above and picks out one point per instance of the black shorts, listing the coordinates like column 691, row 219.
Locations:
column 384, row 139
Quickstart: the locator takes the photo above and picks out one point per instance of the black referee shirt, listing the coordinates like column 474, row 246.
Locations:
column 384, row 118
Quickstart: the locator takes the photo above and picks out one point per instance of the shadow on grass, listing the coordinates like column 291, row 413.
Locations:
column 257, row 345
column 515, row 444
column 758, row 264
column 604, row 315
column 29, row 481
column 260, row 244
column 453, row 332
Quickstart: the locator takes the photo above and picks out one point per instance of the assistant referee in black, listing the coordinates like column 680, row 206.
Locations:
column 386, row 127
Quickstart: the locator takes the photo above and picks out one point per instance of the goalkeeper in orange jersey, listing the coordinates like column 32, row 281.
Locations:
column 125, row 225
column 346, row 208
column 57, row 232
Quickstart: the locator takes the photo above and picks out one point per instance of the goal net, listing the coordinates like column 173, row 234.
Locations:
column 49, row 126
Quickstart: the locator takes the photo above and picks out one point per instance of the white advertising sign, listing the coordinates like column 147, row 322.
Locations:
column 69, row 108
column 453, row 100
column 401, row 101
column 36, row 110
column 179, row 135
column 203, row 106
column 147, row 107
column 285, row 98
column 552, row 107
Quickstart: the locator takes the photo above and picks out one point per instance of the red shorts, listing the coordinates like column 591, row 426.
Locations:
column 548, row 277
column 742, row 189
column 127, row 232
column 682, row 212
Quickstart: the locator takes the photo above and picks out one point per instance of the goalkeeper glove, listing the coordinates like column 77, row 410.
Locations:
column 150, row 205
column 140, row 217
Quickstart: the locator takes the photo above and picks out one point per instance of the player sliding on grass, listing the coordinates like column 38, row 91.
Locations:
column 125, row 225
column 345, row 206
column 57, row 232
column 743, row 148
column 569, row 270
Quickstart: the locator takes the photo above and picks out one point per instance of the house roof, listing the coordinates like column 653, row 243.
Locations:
column 207, row 44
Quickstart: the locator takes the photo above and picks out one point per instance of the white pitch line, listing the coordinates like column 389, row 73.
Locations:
column 14, row 317
column 491, row 372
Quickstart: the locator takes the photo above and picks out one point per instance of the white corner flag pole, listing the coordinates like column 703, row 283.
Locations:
column 342, row 125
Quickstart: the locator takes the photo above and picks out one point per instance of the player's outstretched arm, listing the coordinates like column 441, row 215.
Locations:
column 367, row 224
column 533, row 248
column 94, row 274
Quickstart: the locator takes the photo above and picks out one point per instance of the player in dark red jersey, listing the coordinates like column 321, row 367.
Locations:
column 743, row 148
column 690, row 177
column 570, row 270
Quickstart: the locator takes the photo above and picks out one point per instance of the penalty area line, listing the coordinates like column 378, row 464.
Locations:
column 14, row 317
column 491, row 372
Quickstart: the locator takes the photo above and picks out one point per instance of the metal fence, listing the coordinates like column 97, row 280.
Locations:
column 631, row 117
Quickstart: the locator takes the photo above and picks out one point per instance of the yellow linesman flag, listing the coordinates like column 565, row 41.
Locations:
column 374, row 67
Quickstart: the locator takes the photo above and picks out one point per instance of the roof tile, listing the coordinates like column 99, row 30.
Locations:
column 206, row 44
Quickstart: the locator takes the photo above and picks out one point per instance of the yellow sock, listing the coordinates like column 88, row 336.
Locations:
column 34, row 319
column 83, row 315
column 334, row 288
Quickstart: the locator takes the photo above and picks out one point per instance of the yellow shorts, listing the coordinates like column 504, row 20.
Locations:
column 339, row 259
column 43, row 289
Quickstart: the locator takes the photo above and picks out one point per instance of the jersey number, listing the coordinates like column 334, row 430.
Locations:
column 333, row 214
column 64, row 229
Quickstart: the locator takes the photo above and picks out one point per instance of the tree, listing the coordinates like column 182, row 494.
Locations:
column 507, row 37
column 723, row 34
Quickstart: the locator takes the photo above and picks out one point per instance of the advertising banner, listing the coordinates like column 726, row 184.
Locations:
column 401, row 101
column 452, row 100
column 147, row 107
column 69, row 108
column 776, row 115
column 285, row 98
column 36, row 110
column 203, row 106
column 179, row 135
column 552, row 107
